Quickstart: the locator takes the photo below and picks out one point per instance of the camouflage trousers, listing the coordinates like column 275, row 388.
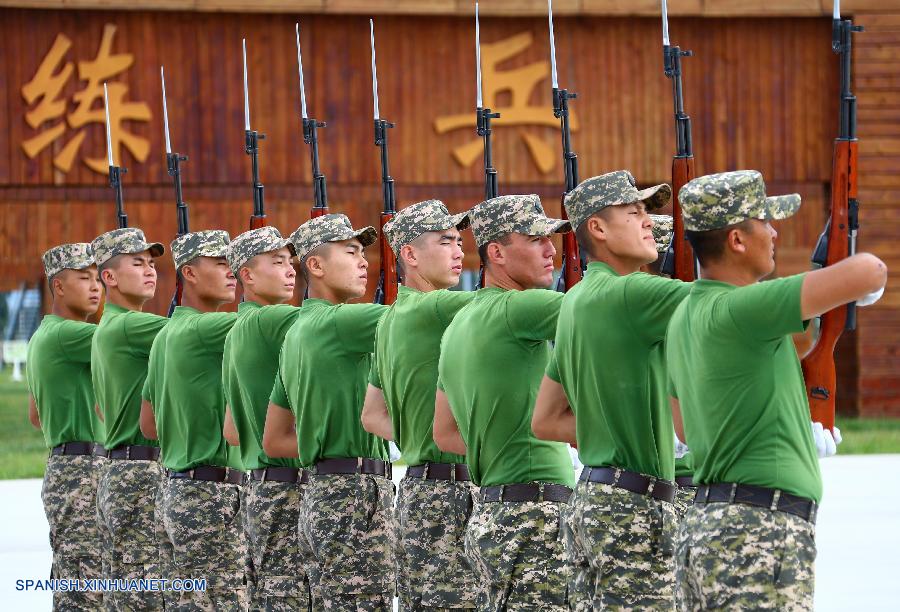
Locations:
column 432, row 569
column 518, row 551
column 166, row 556
column 69, row 496
column 736, row 556
column 273, row 512
column 202, row 521
column 126, row 512
column 244, row 541
column 684, row 499
column 346, row 521
column 622, row 546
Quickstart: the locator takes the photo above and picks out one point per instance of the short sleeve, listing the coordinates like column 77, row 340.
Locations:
column 279, row 394
column 356, row 325
column 75, row 340
column 140, row 331
column 552, row 371
column 275, row 321
column 448, row 303
column 650, row 302
column 214, row 326
column 532, row 314
column 768, row 310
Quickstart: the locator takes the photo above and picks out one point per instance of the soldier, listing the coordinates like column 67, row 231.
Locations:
column 61, row 405
column 314, row 414
column 201, row 498
column 493, row 354
column 119, row 353
column 435, row 497
column 746, row 415
column 261, row 261
column 606, row 386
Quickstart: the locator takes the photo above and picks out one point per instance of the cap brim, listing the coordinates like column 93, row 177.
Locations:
column 545, row 226
column 156, row 249
column 782, row 207
column 460, row 221
column 367, row 235
column 654, row 197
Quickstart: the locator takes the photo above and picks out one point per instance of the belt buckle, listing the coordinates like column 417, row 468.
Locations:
column 359, row 465
column 617, row 473
column 540, row 492
column 265, row 473
column 191, row 473
column 650, row 486
column 776, row 497
column 128, row 452
column 64, row 445
column 733, row 492
column 452, row 473
column 425, row 470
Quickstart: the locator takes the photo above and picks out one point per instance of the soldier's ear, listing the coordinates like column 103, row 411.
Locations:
column 596, row 227
column 315, row 266
column 108, row 277
column 245, row 274
column 495, row 253
column 736, row 240
column 408, row 256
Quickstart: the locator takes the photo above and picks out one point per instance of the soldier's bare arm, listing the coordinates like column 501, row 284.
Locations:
column 375, row 417
column 445, row 431
column 280, row 435
column 676, row 419
column 553, row 418
column 229, row 430
column 33, row 416
column 846, row 281
column 148, row 420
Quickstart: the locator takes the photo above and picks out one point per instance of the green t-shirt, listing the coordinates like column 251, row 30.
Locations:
column 119, row 356
column 405, row 367
column 736, row 373
column 248, row 373
column 684, row 465
column 58, row 372
column 322, row 374
column 493, row 357
column 187, row 396
column 609, row 358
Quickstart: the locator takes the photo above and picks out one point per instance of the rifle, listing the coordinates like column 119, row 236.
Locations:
column 386, row 291
column 572, row 266
column 838, row 240
column 115, row 172
column 251, row 147
column 311, row 137
column 173, row 164
column 483, row 117
column 678, row 261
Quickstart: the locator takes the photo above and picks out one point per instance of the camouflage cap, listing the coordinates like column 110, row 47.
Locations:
column 716, row 201
column 519, row 214
column 611, row 189
column 75, row 256
column 248, row 245
column 416, row 219
column 123, row 241
column 663, row 227
column 206, row 243
column 329, row 228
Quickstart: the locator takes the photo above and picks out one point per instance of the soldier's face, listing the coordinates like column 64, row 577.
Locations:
column 629, row 233
column 345, row 269
column 529, row 260
column 214, row 280
column 760, row 247
column 133, row 275
column 438, row 257
column 79, row 290
column 271, row 275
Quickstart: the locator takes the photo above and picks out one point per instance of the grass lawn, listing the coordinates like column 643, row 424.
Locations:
column 23, row 454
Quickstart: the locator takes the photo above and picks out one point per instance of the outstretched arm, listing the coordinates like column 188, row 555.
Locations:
column 280, row 435
column 148, row 420
column 375, row 417
column 848, row 280
column 553, row 418
column 445, row 431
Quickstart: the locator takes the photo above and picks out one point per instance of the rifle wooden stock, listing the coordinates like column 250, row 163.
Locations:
column 571, row 262
column 818, row 366
column 388, row 280
column 682, row 172
column 257, row 221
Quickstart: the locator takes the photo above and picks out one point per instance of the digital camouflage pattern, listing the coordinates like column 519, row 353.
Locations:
column 248, row 245
column 684, row 499
column 663, row 227
column 206, row 243
column 348, row 526
column 716, row 201
column 273, row 512
column 123, row 241
column 202, row 521
column 432, row 568
column 419, row 218
column 329, row 228
column 508, row 214
column 166, row 559
column 519, row 554
column 126, row 511
column 623, row 546
column 612, row 189
column 244, row 541
column 74, row 256
column 739, row 557
column 69, row 496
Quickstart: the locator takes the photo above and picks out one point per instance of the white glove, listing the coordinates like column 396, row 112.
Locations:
column 394, row 451
column 871, row 298
column 826, row 441
column 576, row 460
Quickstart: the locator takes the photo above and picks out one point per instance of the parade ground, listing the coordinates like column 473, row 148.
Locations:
column 858, row 536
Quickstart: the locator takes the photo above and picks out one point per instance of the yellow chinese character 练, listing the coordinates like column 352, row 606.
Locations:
column 46, row 86
column 519, row 82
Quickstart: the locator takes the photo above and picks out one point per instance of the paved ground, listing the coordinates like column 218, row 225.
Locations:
column 858, row 537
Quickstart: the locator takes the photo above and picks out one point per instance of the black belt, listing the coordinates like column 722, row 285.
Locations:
column 73, row 448
column 526, row 492
column 440, row 471
column 353, row 465
column 685, row 481
column 656, row 488
column 280, row 474
column 773, row 499
column 134, row 452
column 100, row 451
column 211, row 473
